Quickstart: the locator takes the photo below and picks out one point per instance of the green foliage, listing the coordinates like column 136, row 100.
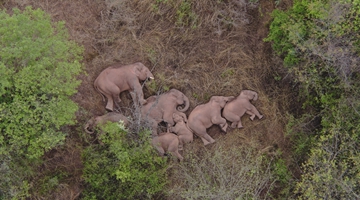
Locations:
column 281, row 172
column 39, row 66
column 332, row 169
column 319, row 41
column 125, row 166
column 234, row 173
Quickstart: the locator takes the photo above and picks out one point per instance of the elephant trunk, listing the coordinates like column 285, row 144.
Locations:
column 186, row 105
column 87, row 127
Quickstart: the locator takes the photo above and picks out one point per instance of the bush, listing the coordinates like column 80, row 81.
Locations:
column 38, row 67
column 319, row 41
column 125, row 166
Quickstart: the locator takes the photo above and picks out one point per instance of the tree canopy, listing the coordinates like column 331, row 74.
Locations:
column 38, row 66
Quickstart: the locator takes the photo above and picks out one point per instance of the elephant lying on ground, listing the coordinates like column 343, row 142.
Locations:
column 205, row 115
column 108, row 117
column 167, row 142
column 234, row 110
column 182, row 130
column 162, row 107
column 116, row 79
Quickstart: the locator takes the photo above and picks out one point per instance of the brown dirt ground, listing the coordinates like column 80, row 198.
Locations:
column 218, row 57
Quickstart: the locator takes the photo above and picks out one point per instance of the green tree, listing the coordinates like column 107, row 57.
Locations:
column 125, row 166
column 319, row 41
column 38, row 67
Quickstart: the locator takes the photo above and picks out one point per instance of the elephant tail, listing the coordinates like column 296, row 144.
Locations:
column 98, row 90
column 88, row 129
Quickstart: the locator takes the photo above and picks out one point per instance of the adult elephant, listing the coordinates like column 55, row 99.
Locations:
column 117, row 78
column 205, row 115
column 162, row 107
column 234, row 110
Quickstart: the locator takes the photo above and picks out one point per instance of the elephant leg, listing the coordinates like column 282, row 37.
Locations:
column 239, row 124
column 207, row 139
column 200, row 131
column 234, row 124
column 181, row 146
column 224, row 127
column 232, row 118
column 177, row 154
column 256, row 112
column 161, row 151
column 221, row 122
column 117, row 100
column 110, row 103
column 151, row 123
column 138, row 95
column 252, row 115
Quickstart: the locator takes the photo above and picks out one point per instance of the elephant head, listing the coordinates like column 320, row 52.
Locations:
column 142, row 72
column 220, row 100
column 249, row 94
column 180, row 99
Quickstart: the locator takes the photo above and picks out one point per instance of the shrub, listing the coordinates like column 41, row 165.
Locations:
column 319, row 41
column 38, row 67
column 126, row 166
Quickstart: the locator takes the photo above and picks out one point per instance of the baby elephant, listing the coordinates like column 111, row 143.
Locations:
column 108, row 117
column 167, row 142
column 182, row 130
column 234, row 110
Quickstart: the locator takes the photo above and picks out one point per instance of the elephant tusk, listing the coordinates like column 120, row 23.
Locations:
column 151, row 77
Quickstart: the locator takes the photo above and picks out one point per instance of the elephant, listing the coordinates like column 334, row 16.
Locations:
column 167, row 142
column 182, row 130
column 162, row 107
column 205, row 115
column 234, row 110
column 108, row 117
column 118, row 78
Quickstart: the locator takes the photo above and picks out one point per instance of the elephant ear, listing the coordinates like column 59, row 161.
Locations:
column 137, row 70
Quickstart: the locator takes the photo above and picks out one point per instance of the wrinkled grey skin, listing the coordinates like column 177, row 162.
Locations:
column 167, row 142
column 116, row 79
column 182, row 130
column 162, row 107
column 234, row 110
column 108, row 117
column 205, row 115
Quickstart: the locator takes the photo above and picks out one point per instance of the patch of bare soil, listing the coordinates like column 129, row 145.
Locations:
column 214, row 48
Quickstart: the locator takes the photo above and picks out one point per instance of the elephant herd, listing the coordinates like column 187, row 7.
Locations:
column 169, row 107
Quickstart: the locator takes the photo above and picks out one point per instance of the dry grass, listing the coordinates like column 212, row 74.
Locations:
column 215, row 49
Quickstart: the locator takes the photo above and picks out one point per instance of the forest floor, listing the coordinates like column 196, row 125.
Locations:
column 212, row 49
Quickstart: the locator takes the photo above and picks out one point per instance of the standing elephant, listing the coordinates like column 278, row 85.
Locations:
column 108, row 117
column 116, row 79
column 162, row 107
column 167, row 142
column 234, row 110
column 182, row 130
column 205, row 115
